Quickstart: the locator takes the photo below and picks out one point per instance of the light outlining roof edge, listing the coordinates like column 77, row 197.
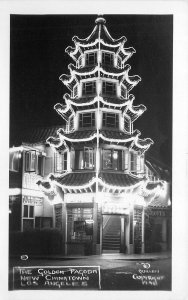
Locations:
column 78, row 41
column 115, row 187
column 62, row 111
column 125, row 76
column 89, row 184
column 101, row 99
column 77, row 140
column 158, row 183
column 63, row 137
column 143, row 147
column 117, row 140
column 128, row 52
column 60, row 143
column 137, row 113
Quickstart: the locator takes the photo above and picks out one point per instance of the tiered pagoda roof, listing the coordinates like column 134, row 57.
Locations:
column 108, row 136
column 77, row 103
column 100, row 35
column 108, row 72
column 74, row 181
column 74, row 104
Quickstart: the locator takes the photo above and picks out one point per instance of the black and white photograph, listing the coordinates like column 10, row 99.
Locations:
column 90, row 157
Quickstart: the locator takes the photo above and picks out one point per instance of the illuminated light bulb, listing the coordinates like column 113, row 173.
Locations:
column 115, row 155
column 169, row 202
column 82, row 164
column 89, row 221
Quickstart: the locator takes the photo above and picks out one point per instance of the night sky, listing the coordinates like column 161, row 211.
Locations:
column 38, row 58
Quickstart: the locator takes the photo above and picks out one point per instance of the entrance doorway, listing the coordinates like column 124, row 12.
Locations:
column 111, row 239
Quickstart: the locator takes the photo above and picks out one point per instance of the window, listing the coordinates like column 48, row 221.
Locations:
column 88, row 158
column 71, row 123
column 127, row 124
column 28, row 217
column 30, row 161
column 140, row 163
column 75, row 91
column 60, row 162
column 79, row 62
column 107, row 159
column 34, row 162
column 28, row 211
column 126, row 166
column 87, row 120
column 112, row 159
column 117, row 160
column 123, row 92
column 89, row 88
column 14, row 161
column 91, row 58
column 109, row 88
column 84, row 159
column 79, row 159
column 107, row 58
column 118, row 62
column 150, row 174
column 110, row 120
column 79, row 224
column 133, row 162
column 40, row 165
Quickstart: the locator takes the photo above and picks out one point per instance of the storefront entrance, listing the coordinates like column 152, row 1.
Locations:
column 111, row 239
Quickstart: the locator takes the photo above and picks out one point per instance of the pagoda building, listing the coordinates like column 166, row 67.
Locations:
column 104, row 193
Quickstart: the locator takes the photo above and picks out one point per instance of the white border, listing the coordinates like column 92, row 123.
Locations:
column 180, row 116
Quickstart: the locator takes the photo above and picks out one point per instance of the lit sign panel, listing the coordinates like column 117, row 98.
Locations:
column 32, row 200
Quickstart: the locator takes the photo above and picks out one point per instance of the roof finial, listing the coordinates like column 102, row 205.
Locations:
column 100, row 19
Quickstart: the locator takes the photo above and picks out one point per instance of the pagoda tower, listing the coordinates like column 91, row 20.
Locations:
column 100, row 191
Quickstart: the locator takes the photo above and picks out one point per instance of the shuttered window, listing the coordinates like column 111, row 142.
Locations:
column 91, row 58
column 109, row 88
column 127, row 124
column 60, row 162
column 107, row 58
column 30, row 161
column 87, row 120
column 89, row 88
column 110, row 120
column 133, row 162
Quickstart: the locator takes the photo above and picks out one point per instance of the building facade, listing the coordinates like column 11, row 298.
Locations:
column 90, row 179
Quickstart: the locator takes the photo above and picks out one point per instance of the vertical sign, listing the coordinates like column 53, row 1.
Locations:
column 58, row 216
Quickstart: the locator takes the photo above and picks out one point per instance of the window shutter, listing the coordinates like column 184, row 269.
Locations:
column 65, row 161
column 126, row 160
column 72, row 160
column 30, row 161
column 47, row 166
column 142, row 163
column 133, row 157
column 134, row 162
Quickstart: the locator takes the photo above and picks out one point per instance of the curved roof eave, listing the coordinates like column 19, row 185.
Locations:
column 62, row 110
column 138, row 143
column 93, row 101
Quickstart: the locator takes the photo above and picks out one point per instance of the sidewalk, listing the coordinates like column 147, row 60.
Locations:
column 105, row 256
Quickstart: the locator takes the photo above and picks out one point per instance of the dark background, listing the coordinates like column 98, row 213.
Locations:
column 38, row 58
